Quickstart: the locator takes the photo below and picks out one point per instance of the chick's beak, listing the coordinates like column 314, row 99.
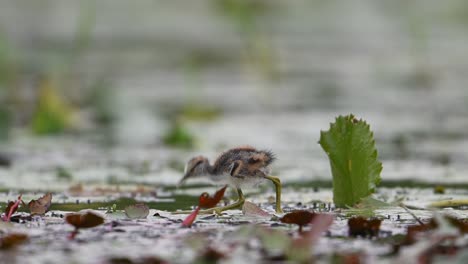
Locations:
column 186, row 176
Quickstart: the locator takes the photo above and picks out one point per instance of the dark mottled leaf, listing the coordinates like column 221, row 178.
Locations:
column 360, row 226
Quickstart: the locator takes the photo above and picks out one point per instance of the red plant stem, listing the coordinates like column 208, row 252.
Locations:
column 13, row 209
column 189, row 220
column 73, row 234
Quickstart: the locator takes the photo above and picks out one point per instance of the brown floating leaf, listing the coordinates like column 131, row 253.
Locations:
column 412, row 231
column 41, row 205
column 84, row 220
column 206, row 201
column 210, row 255
column 250, row 209
column 299, row 217
column 12, row 240
column 359, row 226
column 137, row 211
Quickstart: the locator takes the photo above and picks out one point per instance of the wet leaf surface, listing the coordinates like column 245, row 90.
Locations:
column 137, row 211
column 86, row 219
column 12, row 240
column 250, row 209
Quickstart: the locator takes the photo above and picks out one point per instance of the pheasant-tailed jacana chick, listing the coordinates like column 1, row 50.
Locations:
column 237, row 167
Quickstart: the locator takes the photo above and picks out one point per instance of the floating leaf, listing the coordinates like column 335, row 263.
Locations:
column 137, row 211
column 359, row 226
column 12, row 240
column 275, row 242
column 299, row 217
column 434, row 223
column 320, row 223
column 206, row 201
column 210, row 255
column 299, row 250
column 191, row 218
column 41, row 205
column 86, row 219
column 11, row 209
column 355, row 167
column 250, row 209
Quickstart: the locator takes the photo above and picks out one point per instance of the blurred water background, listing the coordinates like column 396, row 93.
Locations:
column 127, row 91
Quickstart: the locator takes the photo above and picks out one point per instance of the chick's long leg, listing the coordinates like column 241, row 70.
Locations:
column 276, row 181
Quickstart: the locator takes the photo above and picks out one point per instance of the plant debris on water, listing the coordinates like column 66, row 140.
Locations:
column 144, row 223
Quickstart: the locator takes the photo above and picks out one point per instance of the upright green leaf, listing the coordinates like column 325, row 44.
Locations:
column 355, row 167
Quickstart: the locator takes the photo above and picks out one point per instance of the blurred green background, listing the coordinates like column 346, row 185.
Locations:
column 205, row 75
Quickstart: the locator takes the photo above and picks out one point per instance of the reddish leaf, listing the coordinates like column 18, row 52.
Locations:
column 41, row 205
column 299, row 217
column 320, row 223
column 84, row 220
column 206, row 201
column 12, row 240
column 413, row 230
column 359, row 226
column 300, row 248
column 190, row 218
column 11, row 209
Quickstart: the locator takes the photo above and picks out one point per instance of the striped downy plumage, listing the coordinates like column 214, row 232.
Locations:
column 237, row 167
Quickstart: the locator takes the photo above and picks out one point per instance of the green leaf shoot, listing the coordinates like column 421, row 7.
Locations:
column 350, row 147
column 53, row 114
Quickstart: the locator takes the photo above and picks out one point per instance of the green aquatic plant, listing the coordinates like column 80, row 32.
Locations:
column 53, row 114
column 5, row 123
column 179, row 136
column 350, row 147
